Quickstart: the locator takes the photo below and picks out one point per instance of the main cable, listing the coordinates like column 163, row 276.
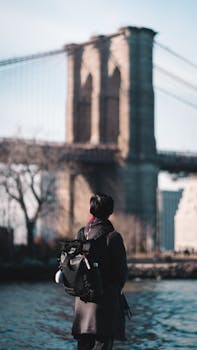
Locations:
column 178, row 98
column 15, row 60
column 174, row 53
column 175, row 77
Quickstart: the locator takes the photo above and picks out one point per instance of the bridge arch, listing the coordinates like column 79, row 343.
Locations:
column 83, row 126
column 112, row 108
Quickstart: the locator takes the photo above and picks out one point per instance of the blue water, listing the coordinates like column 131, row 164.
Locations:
column 39, row 316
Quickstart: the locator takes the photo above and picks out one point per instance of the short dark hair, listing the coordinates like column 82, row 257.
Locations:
column 101, row 205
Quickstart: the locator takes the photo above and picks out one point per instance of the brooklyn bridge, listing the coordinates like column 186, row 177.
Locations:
column 110, row 143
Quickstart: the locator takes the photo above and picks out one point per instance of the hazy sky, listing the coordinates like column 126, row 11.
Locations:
column 35, row 25
column 30, row 26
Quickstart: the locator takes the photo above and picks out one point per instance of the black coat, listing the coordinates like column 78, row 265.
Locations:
column 105, row 318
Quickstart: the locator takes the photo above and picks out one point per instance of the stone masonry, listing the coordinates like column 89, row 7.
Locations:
column 111, row 101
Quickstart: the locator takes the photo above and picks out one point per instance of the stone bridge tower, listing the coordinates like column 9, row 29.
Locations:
column 110, row 103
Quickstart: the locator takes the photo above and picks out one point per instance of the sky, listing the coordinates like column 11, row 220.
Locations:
column 28, row 26
column 31, row 26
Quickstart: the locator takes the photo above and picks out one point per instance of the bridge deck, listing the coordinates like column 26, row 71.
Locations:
column 21, row 151
column 177, row 161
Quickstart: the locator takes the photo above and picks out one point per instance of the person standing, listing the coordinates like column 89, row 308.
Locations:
column 97, row 324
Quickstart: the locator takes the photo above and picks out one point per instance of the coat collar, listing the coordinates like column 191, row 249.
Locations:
column 101, row 226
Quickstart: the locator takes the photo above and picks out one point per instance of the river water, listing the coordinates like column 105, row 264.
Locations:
column 38, row 316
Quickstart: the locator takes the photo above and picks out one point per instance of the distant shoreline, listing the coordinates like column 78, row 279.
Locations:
column 163, row 270
column 146, row 269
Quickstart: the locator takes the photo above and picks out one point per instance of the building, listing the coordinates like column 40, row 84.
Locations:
column 169, row 201
column 6, row 243
column 186, row 218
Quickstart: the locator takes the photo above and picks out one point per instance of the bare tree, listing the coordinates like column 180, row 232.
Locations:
column 27, row 185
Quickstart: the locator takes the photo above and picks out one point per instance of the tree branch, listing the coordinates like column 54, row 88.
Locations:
column 10, row 193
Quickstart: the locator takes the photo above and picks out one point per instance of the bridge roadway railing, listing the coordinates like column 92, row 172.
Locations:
column 177, row 161
column 25, row 151
column 22, row 151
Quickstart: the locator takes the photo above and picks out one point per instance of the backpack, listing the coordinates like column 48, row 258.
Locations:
column 80, row 270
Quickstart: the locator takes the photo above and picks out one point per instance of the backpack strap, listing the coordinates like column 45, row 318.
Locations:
column 81, row 234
